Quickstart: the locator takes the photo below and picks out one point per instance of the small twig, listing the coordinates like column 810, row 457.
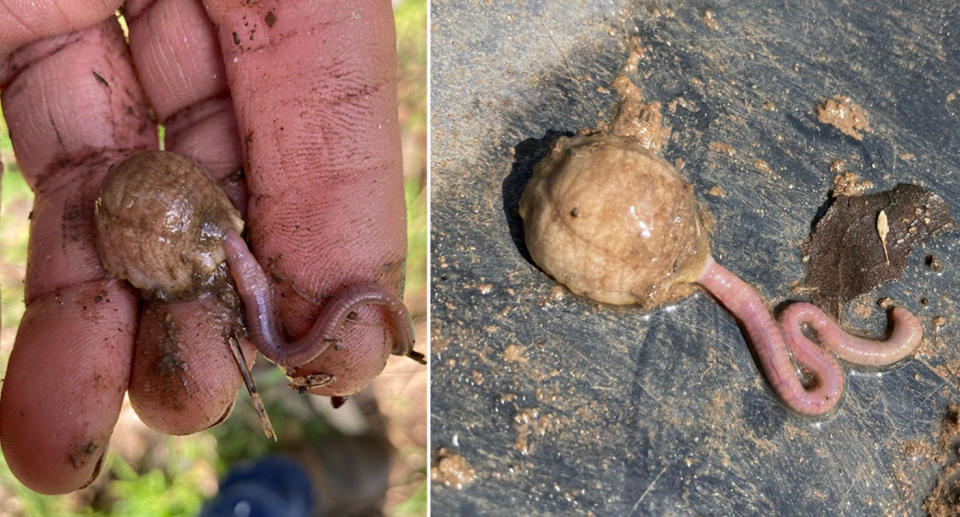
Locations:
column 252, row 390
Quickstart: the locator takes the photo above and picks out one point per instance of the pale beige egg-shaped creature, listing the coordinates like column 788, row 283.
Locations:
column 614, row 222
column 160, row 222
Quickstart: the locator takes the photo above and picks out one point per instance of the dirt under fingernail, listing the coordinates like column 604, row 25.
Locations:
column 225, row 415
column 96, row 470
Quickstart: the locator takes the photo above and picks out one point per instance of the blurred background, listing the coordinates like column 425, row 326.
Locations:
column 378, row 438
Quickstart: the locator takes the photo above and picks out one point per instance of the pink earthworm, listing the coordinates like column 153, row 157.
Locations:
column 774, row 343
column 906, row 335
column 262, row 326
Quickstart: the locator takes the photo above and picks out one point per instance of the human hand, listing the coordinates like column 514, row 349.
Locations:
column 312, row 125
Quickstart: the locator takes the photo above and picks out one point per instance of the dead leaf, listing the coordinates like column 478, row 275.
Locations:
column 845, row 259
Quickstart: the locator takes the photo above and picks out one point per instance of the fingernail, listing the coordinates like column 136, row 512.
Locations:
column 224, row 416
column 96, row 470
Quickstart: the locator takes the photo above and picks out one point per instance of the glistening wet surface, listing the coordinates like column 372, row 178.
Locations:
column 557, row 404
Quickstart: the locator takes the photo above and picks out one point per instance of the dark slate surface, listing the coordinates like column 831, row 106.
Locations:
column 624, row 412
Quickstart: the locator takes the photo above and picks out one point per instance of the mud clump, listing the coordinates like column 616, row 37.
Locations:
column 160, row 222
column 452, row 470
column 614, row 222
column 850, row 184
column 944, row 500
column 840, row 112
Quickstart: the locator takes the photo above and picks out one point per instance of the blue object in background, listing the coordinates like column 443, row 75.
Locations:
column 273, row 486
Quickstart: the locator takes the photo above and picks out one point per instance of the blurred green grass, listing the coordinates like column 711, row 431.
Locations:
column 170, row 477
column 15, row 203
column 411, row 21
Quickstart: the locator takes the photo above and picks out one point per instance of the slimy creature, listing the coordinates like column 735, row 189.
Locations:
column 612, row 221
column 163, row 225
column 262, row 327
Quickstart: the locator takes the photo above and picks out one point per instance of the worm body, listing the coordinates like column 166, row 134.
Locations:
column 616, row 223
column 772, row 349
column 165, row 226
column 254, row 289
column 774, row 343
column 904, row 339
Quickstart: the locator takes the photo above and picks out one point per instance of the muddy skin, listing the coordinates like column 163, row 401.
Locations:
column 165, row 226
column 159, row 223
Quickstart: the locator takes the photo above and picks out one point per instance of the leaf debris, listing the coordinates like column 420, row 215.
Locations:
column 258, row 406
column 845, row 260
column 883, row 229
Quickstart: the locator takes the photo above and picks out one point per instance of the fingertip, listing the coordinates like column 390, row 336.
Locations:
column 43, row 18
column 73, row 96
column 64, row 386
column 177, row 55
column 184, row 378
column 365, row 346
